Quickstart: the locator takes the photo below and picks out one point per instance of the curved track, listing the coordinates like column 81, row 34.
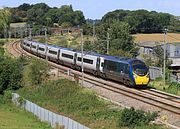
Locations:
column 156, row 98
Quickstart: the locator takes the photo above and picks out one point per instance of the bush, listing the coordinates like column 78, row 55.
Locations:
column 36, row 72
column 10, row 74
column 7, row 96
column 21, row 101
column 174, row 88
column 131, row 117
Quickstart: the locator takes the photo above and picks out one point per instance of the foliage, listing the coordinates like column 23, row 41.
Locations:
column 131, row 117
column 173, row 88
column 1, row 51
column 78, row 103
column 7, row 96
column 120, row 39
column 4, row 22
column 42, row 14
column 37, row 12
column 36, row 72
column 120, row 53
column 141, row 21
column 159, row 52
column 170, row 87
column 21, row 101
column 10, row 74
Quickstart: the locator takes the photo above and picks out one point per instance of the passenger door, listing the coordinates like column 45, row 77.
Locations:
column 75, row 58
column 98, row 64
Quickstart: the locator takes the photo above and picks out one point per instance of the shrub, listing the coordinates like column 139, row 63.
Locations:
column 21, row 101
column 7, row 96
column 131, row 117
column 174, row 88
column 36, row 72
column 10, row 74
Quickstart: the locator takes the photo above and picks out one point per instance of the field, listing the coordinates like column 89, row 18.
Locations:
column 14, row 118
column 171, row 37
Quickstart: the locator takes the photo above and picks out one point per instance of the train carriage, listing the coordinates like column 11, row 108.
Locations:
column 67, row 57
column 117, row 69
column 26, row 45
column 42, row 50
column 34, row 47
column 53, row 53
column 90, row 62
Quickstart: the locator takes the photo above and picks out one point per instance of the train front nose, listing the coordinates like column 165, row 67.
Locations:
column 141, row 80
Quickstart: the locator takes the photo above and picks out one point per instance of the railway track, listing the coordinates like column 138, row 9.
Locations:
column 158, row 99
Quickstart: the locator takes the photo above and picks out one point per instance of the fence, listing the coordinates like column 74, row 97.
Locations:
column 155, row 72
column 46, row 115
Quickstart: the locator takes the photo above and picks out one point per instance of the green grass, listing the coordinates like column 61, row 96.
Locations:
column 81, row 104
column 12, row 117
column 172, row 88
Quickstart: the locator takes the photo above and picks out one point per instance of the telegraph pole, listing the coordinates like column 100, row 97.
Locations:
column 45, row 34
column 108, row 41
column 82, row 65
column 164, row 76
column 93, row 32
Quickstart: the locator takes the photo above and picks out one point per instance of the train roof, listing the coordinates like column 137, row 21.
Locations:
column 70, row 49
column 54, row 46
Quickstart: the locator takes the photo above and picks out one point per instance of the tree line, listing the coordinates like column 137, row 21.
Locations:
column 143, row 21
column 42, row 14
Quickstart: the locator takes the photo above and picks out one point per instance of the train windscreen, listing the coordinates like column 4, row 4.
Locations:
column 140, row 69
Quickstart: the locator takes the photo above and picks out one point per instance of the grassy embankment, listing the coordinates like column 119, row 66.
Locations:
column 12, row 117
column 67, row 98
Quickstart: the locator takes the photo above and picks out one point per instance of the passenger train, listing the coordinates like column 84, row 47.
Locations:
column 131, row 72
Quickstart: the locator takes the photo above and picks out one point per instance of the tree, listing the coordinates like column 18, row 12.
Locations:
column 159, row 52
column 4, row 22
column 140, row 21
column 120, row 38
column 36, row 72
column 37, row 12
column 10, row 74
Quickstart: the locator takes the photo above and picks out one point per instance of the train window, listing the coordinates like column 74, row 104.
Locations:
column 111, row 65
column 41, row 49
column 53, row 52
column 126, row 69
column 33, row 46
column 102, row 64
column 120, row 67
column 85, row 60
column 67, row 56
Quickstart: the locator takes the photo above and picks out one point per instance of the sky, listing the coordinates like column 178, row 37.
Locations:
column 96, row 9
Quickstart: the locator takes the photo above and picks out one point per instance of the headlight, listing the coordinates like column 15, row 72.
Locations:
column 135, row 76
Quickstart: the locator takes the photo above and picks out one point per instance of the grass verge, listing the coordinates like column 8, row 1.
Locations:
column 172, row 88
column 67, row 98
column 12, row 117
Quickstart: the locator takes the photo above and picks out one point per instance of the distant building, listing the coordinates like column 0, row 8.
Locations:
column 147, row 48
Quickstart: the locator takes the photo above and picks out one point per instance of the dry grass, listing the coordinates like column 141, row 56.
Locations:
column 171, row 37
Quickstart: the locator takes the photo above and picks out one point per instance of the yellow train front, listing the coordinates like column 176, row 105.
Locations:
column 139, row 73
